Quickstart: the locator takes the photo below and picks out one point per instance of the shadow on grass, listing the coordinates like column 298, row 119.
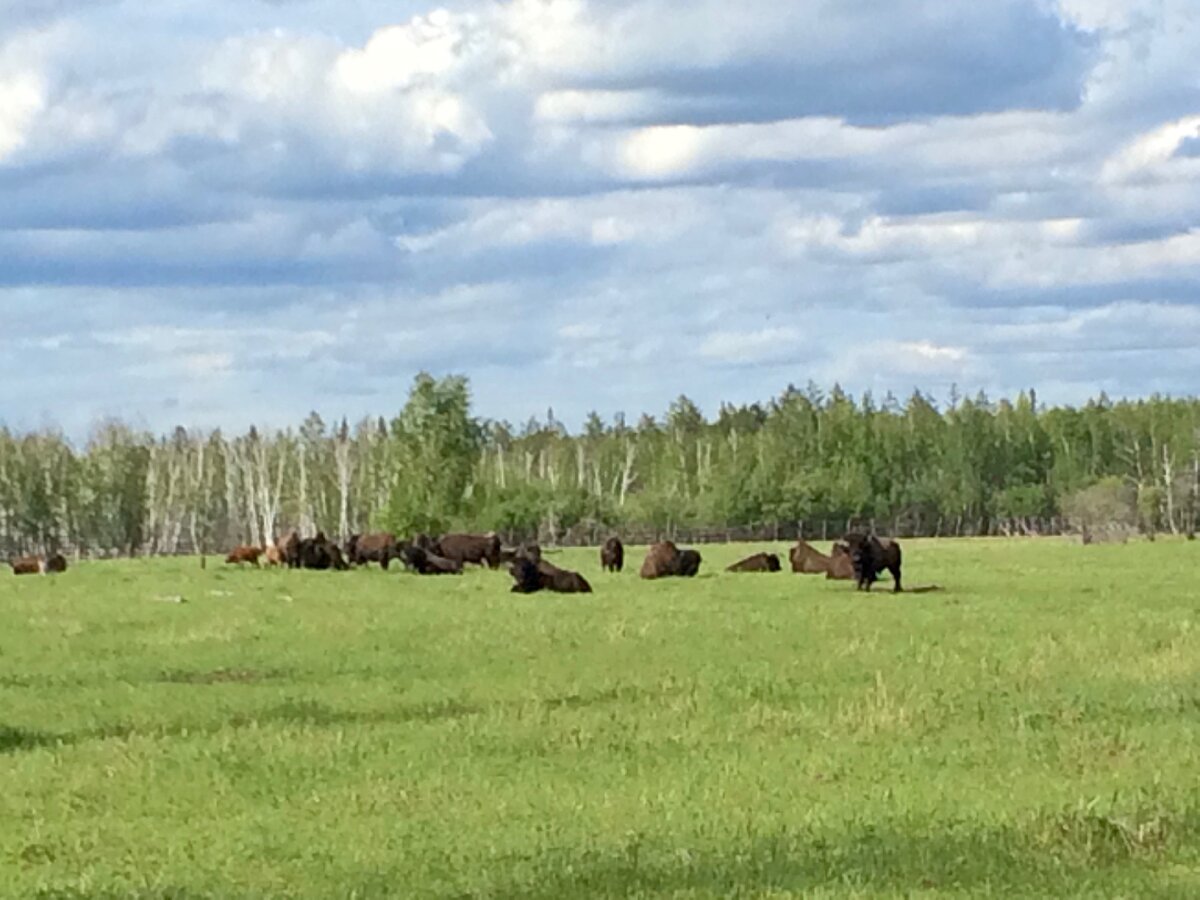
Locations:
column 304, row 713
column 16, row 740
column 1054, row 856
column 1072, row 855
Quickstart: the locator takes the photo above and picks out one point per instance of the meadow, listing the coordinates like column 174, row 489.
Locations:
column 1032, row 730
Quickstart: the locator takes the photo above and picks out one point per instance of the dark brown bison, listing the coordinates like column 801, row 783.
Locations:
column 244, row 554
column 421, row 561
column 665, row 560
column 759, row 562
column 870, row 555
column 26, row 565
column 289, row 548
column 531, row 577
column 612, row 555
column 320, row 553
column 687, row 565
column 368, row 548
column 55, row 564
column 482, row 549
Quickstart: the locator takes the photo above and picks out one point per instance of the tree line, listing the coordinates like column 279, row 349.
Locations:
column 808, row 461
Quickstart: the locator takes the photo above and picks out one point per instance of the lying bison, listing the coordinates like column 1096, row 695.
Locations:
column 421, row 561
column 841, row 566
column 244, row 554
column 368, row 548
column 36, row 565
column 482, row 549
column 807, row 559
column 665, row 560
column 26, row 565
column 759, row 562
column 870, row 555
column 532, row 576
column 612, row 555
column 319, row 553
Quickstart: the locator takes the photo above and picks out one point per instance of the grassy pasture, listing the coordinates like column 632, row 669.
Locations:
column 1034, row 730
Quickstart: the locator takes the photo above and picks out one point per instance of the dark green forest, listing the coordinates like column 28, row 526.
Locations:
column 810, row 461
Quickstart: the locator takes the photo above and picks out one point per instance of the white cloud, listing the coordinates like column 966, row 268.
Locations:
column 607, row 202
column 750, row 347
column 21, row 99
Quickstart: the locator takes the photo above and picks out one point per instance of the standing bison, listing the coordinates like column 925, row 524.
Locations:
column 870, row 555
column 759, row 562
column 665, row 560
column 368, row 548
column 289, row 549
column 481, row 549
column 244, row 554
column 612, row 555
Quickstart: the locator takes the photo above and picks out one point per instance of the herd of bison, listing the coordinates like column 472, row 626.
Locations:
column 858, row 557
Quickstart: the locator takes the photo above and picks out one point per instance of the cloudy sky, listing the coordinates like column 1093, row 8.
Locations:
column 221, row 211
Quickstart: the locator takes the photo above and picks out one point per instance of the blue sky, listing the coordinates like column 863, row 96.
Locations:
column 235, row 211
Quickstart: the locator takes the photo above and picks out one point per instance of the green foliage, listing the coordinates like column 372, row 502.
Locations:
column 1029, row 732
column 434, row 449
column 811, row 456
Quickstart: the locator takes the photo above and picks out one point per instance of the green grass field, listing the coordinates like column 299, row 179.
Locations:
column 1033, row 730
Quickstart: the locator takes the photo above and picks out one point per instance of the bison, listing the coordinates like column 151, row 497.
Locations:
column 482, row 549
column 27, row 565
column 320, row 553
column 54, row 564
column 368, row 548
column 423, row 562
column 870, row 555
column 612, row 555
column 289, row 548
column 273, row 556
column 665, row 560
column 244, row 554
column 531, row 577
column 807, row 559
column 841, row 566
column 759, row 562
column 688, row 564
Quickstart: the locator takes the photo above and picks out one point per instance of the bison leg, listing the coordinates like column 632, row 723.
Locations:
column 895, row 570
